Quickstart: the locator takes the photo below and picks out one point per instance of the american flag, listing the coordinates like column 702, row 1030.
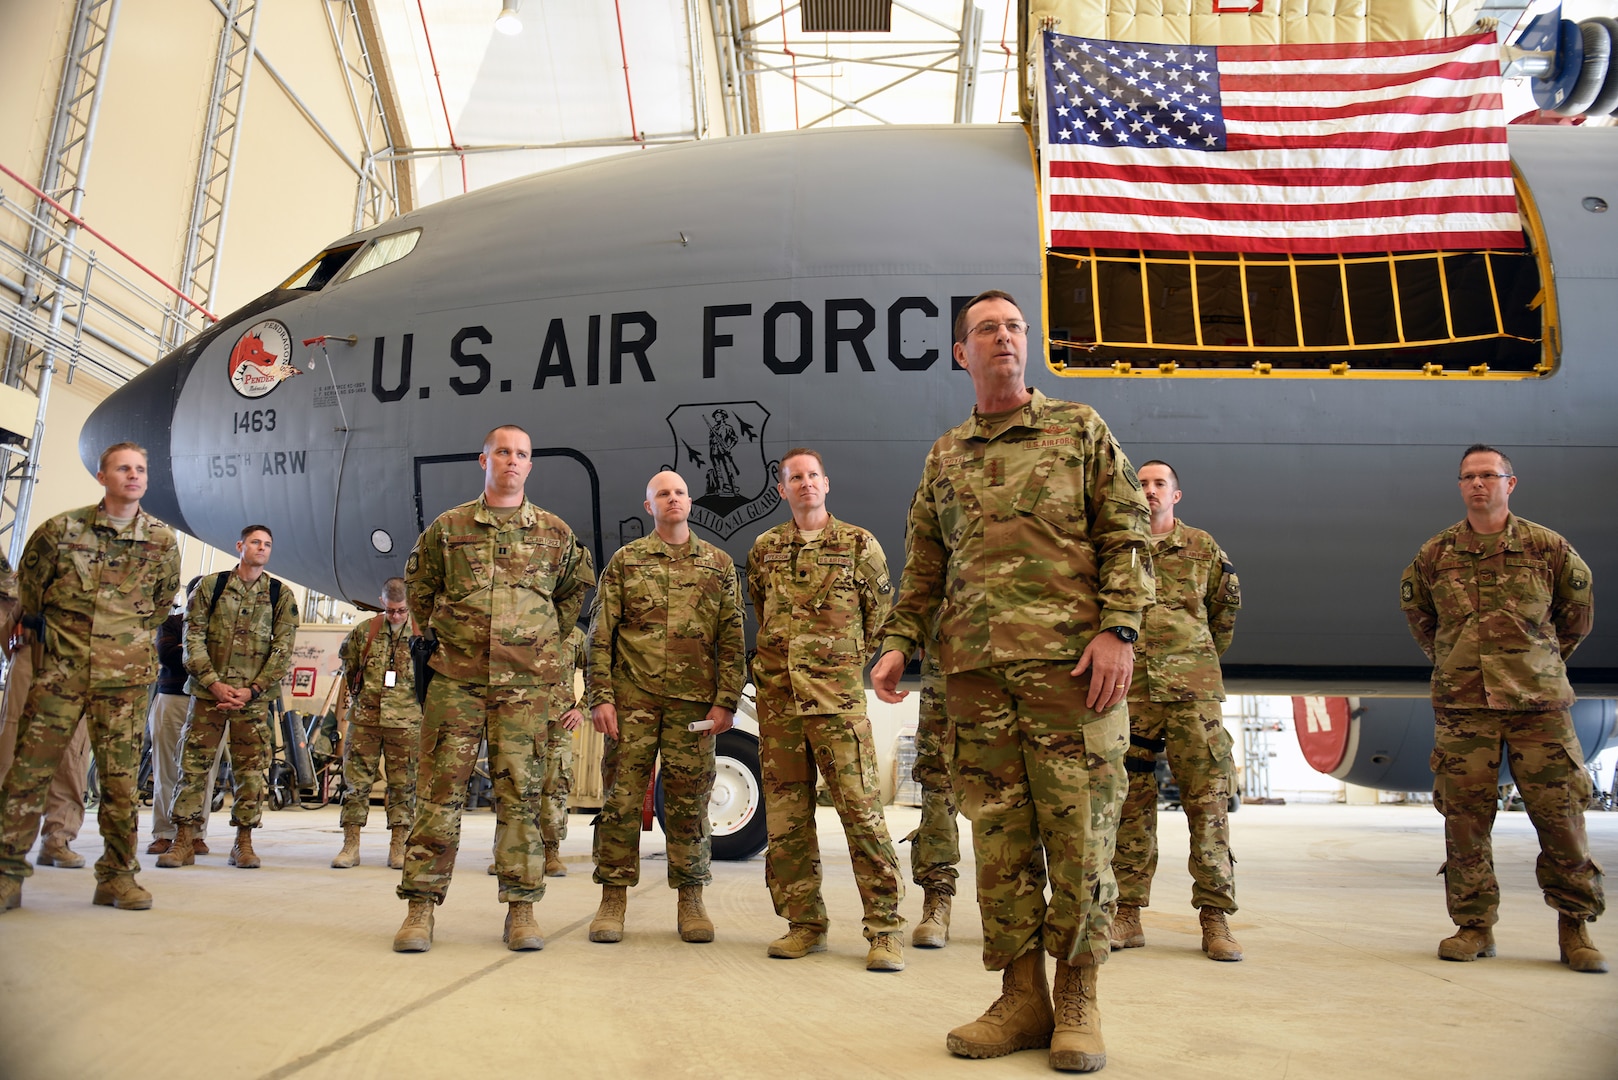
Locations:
column 1336, row 148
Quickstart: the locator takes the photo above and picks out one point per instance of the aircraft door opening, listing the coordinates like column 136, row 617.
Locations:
column 563, row 481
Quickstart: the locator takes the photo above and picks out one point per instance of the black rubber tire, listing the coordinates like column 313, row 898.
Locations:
column 752, row 837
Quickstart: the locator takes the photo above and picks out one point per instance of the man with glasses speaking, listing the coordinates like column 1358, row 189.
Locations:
column 1498, row 604
column 1028, row 540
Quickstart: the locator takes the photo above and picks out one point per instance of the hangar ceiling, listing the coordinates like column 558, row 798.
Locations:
column 584, row 80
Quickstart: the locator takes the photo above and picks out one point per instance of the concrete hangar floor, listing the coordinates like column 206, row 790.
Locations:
column 287, row 971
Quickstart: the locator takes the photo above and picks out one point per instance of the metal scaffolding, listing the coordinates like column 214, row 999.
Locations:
column 48, row 263
column 216, row 167
column 383, row 188
column 755, row 48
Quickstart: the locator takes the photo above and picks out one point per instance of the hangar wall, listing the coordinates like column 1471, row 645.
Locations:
column 292, row 191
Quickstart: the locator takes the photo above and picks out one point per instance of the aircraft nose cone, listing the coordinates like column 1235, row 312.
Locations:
column 142, row 412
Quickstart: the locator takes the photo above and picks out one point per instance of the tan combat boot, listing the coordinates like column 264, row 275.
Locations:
column 1019, row 1019
column 1127, row 932
column 396, row 847
column 180, row 853
column 887, row 953
column 1467, row 943
column 554, row 866
column 1578, row 952
column 10, row 893
column 1216, row 939
column 608, row 925
column 242, row 854
column 692, row 917
column 799, row 941
column 416, row 933
column 933, row 930
column 1076, row 1044
column 522, row 932
column 350, row 855
column 122, row 893
column 54, row 852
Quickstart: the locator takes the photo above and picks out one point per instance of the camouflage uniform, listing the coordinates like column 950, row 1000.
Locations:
column 666, row 645
column 382, row 720
column 64, row 798
column 935, row 845
column 1174, row 701
column 102, row 591
column 819, row 604
column 496, row 589
column 246, row 640
column 1030, row 530
column 1499, row 626
column 559, row 741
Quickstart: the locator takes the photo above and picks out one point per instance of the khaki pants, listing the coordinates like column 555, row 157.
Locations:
column 64, row 799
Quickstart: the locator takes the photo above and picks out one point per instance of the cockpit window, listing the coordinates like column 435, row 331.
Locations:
column 382, row 251
column 319, row 271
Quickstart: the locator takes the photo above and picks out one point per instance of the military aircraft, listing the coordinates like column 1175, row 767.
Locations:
column 708, row 306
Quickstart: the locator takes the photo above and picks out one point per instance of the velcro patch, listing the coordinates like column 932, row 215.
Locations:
column 835, row 560
column 1055, row 440
column 777, row 556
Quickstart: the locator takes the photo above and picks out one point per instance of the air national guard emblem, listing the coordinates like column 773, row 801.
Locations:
column 719, row 449
column 261, row 359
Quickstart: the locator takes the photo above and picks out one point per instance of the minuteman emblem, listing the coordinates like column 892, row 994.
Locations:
column 719, row 449
column 261, row 359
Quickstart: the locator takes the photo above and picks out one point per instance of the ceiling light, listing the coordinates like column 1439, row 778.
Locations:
column 507, row 22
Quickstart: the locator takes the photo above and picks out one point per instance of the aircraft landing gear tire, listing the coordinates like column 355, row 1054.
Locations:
column 736, row 807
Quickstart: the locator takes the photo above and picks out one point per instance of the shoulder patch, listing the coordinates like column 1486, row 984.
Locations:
column 1129, row 474
column 1579, row 580
column 1407, row 591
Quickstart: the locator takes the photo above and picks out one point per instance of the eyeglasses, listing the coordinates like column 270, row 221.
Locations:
column 400, row 611
column 1467, row 478
column 1014, row 327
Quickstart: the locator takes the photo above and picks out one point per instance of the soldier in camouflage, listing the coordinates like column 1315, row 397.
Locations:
column 64, row 798
column 93, row 586
column 1174, row 699
column 1498, row 604
column 566, row 716
column 239, row 630
column 497, row 582
column 820, row 588
column 935, row 845
column 1028, row 539
column 666, row 656
column 383, row 719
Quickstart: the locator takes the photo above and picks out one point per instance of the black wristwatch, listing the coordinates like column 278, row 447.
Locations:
column 1125, row 634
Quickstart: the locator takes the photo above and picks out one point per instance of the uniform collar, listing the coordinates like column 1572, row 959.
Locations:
column 1174, row 538
column 137, row 528
column 1031, row 415
column 1510, row 537
column 827, row 533
column 658, row 546
column 526, row 515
